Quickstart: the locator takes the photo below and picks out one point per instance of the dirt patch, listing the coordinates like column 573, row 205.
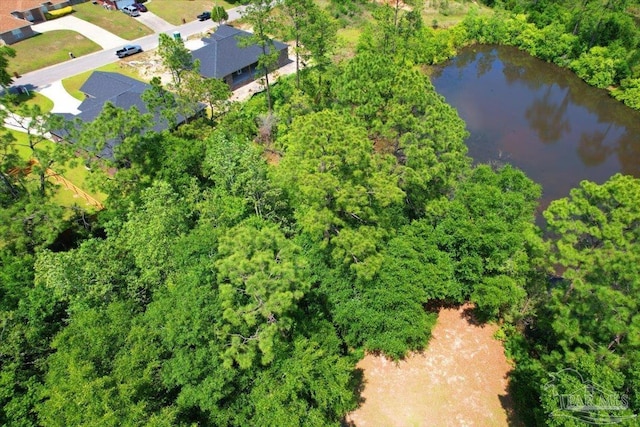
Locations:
column 459, row 380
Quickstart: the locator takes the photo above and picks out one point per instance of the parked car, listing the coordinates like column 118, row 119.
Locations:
column 204, row 16
column 140, row 7
column 129, row 49
column 131, row 10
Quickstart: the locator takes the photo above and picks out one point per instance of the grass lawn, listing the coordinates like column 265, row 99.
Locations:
column 174, row 11
column 113, row 21
column 47, row 49
column 73, row 84
column 77, row 174
column 35, row 98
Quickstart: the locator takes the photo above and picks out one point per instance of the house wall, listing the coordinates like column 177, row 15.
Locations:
column 283, row 58
column 11, row 37
column 248, row 74
column 34, row 15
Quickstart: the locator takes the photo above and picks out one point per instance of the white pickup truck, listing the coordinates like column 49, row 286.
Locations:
column 127, row 50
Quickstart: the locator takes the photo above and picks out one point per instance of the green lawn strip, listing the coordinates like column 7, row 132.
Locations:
column 174, row 11
column 113, row 21
column 75, row 173
column 74, row 83
column 42, row 101
column 47, row 49
column 35, row 98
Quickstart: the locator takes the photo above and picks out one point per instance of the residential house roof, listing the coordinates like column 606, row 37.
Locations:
column 222, row 54
column 122, row 91
column 9, row 22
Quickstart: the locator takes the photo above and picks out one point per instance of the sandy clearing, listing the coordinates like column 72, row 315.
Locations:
column 460, row 380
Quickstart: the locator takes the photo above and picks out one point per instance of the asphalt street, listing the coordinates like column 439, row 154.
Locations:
column 44, row 77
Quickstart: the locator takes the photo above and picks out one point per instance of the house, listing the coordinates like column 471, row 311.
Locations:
column 16, row 16
column 222, row 56
column 123, row 92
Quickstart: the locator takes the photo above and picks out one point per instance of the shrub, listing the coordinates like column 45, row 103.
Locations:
column 53, row 14
column 629, row 93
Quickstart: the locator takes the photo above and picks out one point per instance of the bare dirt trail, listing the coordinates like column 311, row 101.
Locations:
column 460, row 380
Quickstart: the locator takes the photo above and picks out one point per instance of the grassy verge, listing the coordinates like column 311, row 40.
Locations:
column 73, row 84
column 35, row 98
column 174, row 11
column 47, row 49
column 73, row 171
column 113, row 21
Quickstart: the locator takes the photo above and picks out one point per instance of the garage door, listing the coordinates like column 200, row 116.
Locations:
column 124, row 3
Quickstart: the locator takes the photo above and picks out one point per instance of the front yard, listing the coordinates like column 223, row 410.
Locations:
column 113, row 21
column 52, row 48
column 174, row 11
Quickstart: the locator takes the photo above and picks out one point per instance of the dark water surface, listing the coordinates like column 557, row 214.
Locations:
column 540, row 118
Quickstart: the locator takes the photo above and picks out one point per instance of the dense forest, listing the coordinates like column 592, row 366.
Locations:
column 244, row 262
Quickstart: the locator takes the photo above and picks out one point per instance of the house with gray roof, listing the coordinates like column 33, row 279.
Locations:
column 223, row 57
column 123, row 92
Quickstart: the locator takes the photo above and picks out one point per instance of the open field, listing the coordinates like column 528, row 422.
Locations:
column 113, row 21
column 52, row 48
column 174, row 11
column 459, row 380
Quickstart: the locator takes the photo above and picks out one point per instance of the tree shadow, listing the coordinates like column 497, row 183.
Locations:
column 21, row 93
column 506, row 401
column 434, row 306
column 356, row 384
column 473, row 316
column 516, row 412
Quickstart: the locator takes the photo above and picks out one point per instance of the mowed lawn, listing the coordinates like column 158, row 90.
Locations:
column 174, row 11
column 113, row 21
column 47, row 49
column 35, row 98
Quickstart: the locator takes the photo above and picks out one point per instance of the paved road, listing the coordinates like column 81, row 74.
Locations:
column 44, row 77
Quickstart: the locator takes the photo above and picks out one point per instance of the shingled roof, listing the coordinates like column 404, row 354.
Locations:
column 221, row 55
column 122, row 91
column 9, row 22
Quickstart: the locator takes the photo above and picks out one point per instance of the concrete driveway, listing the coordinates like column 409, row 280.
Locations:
column 153, row 21
column 62, row 101
column 94, row 33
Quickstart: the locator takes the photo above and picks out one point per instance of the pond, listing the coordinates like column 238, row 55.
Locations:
column 539, row 118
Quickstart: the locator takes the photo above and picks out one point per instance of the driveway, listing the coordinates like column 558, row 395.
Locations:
column 153, row 21
column 94, row 33
column 62, row 101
